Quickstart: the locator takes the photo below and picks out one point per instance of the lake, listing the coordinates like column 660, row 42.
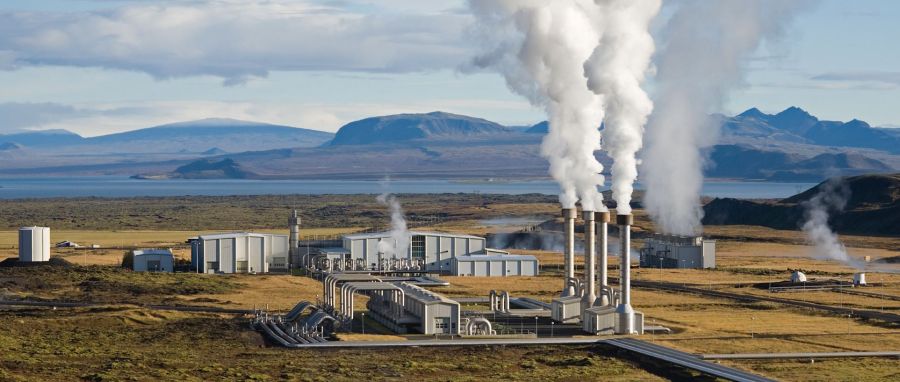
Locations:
column 113, row 186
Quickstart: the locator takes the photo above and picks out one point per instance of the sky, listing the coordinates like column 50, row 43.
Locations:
column 101, row 66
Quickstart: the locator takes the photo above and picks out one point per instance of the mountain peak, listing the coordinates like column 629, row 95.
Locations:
column 754, row 113
column 795, row 112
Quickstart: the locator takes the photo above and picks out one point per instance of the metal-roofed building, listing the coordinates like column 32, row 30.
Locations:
column 494, row 265
column 666, row 251
column 436, row 314
column 435, row 249
column 240, row 252
column 153, row 260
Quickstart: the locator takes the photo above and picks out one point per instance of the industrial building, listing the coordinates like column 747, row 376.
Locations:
column 446, row 253
column 494, row 265
column 240, row 252
column 666, row 251
column 34, row 244
column 153, row 260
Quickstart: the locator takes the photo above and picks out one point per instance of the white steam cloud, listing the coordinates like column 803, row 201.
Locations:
column 540, row 47
column 832, row 196
column 398, row 245
column 706, row 46
column 616, row 70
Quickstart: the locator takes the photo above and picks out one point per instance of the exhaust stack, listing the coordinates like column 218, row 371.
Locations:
column 624, row 311
column 294, row 239
column 569, row 261
column 590, row 266
column 603, row 299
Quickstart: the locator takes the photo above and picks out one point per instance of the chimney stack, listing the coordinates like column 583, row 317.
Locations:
column 294, row 238
column 603, row 220
column 624, row 310
column 569, row 218
column 590, row 293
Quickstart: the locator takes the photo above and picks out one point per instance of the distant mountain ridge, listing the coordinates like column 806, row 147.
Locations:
column 796, row 125
column 407, row 127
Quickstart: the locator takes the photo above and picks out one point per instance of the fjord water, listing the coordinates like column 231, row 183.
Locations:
column 111, row 186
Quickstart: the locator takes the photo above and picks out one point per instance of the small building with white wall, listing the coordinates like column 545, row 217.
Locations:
column 665, row 251
column 494, row 265
column 240, row 252
column 34, row 244
column 153, row 260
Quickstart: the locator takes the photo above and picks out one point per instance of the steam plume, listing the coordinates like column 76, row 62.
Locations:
column 616, row 71
column 832, row 196
column 540, row 47
column 708, row 44
column 398, row 246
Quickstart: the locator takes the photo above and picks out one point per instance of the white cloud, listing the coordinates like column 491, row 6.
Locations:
column 239, row 40
column 860, row 79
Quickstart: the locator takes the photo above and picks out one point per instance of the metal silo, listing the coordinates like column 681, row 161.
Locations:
column 34, row 244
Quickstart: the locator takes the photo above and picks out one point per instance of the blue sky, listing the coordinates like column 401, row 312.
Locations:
column 100, row 66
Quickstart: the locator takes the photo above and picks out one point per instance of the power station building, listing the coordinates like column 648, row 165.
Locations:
column 153, row 260
column 241, row 252
column 34, row 244
column 446, row 253
column 665, row 251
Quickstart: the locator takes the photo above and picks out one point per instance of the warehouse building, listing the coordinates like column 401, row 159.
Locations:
column 437, row 252
column 153, row 260
column 494, row 265
column 34, row 244
column 422, row 311
column 241, row 252
column 666, row 251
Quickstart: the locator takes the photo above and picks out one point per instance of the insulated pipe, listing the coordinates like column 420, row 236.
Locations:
column 624, row 310
column 603, row 221
column 569, row 220
column 590, row 293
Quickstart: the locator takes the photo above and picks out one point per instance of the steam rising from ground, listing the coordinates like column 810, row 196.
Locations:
column 616, row 70
column 398, row 245
column 540, row 47
column 707, row 44
column 832, row 196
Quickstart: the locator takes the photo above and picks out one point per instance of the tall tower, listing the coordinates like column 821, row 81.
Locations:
column 294, row 239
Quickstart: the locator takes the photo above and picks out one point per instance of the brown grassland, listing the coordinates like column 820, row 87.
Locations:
column 123, row 340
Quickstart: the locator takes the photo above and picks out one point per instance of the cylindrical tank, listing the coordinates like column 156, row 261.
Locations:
column 34, row 244
column 859, row 279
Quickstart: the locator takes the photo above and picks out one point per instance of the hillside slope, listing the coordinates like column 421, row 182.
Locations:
column 873, row 208
column 407, row 127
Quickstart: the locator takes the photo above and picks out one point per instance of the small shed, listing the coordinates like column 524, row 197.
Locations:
column 153, row 260
column 494, row 265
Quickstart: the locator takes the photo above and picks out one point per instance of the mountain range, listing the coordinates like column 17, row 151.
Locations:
column 789, row 146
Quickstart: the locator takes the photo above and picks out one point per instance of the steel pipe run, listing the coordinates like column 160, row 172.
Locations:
column 569, row 256
column 624, row 310
column 603, row 222
column 590, row 292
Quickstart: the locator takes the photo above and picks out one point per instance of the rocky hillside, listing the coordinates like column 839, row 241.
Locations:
column 873, row 208
column 407, row 127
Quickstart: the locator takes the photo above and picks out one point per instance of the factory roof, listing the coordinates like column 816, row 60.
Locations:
column 423, row 295
column 379, row 235
column 495, row 258
column 145, row 252
column 236, row 234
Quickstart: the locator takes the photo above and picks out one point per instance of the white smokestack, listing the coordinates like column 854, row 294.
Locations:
column 832, row 196
column 540, row 47
column 616, row 70
column 706, row 46
column 398, row 246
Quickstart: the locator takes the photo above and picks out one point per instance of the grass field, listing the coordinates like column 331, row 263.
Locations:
column 123, row 340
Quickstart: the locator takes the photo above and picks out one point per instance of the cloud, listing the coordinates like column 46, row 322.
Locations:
column 861, row 79
column 16, row 117
column 238, row 40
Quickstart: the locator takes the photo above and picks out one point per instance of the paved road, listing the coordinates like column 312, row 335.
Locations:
column 848, row 354
column 181, row 308
column 685, row 360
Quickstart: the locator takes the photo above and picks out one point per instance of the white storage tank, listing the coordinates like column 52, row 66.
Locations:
column 34, row 244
